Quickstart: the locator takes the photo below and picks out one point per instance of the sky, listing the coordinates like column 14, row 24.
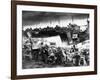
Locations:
column 37, row 19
